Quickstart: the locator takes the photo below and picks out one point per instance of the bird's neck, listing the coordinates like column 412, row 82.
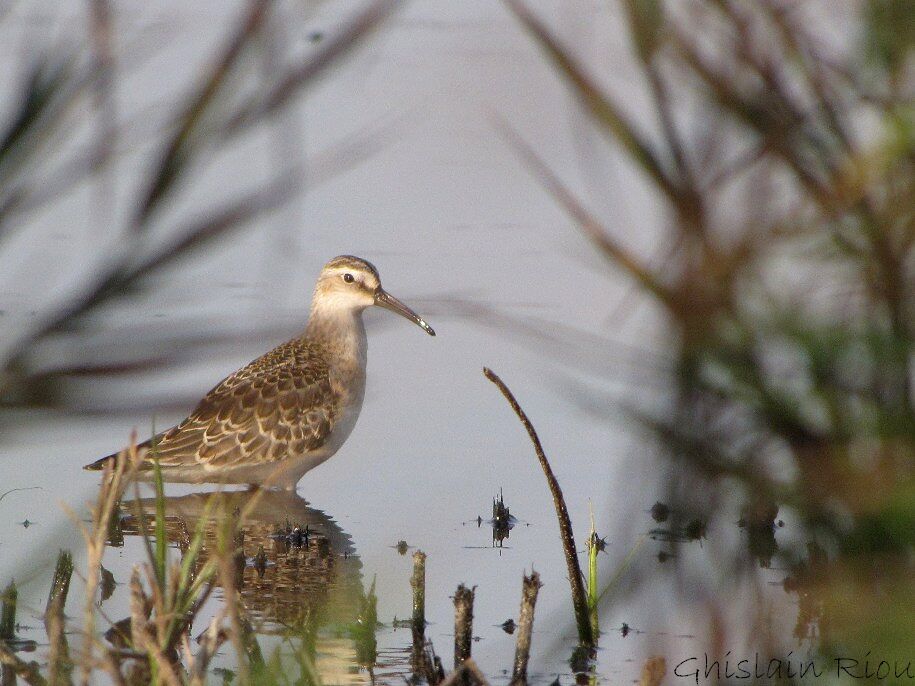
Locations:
column 339, row 330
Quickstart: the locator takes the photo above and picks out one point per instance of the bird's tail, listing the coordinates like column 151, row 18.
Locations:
column 100, row 463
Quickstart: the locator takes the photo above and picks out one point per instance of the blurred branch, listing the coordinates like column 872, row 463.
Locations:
column 599, row 104
column 291, row 83
column 767, row 113
column 102, row 39
column 792, row 316
column 646, row 20
column 179, row 149
column 815, row 70
column 101, row 32
column 588, row 223
column 52, row 88
column 123, row 273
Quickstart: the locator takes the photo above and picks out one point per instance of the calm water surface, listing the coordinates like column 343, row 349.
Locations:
column 452, row 220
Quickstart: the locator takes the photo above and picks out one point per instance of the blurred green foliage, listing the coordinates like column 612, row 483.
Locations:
column 789, row 286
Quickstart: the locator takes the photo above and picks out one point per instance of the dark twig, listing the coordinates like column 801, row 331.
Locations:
column 529, row 589
column 60, row 585
column 60, row 667
column 418, row 623
column 467, row 673
column 463, row 624
column 579, row 598
column 8, row 612
column 27, row 671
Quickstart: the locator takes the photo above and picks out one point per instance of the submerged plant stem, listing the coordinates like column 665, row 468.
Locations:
column 27, row 671
column 463, row 624
column 418, row 623
column 60, row 667
column 593, row 549
column 529, row 589
column 8, row 613
column 418, row 584
column 60, row 584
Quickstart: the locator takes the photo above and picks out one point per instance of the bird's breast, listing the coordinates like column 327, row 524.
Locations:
column 348, row 390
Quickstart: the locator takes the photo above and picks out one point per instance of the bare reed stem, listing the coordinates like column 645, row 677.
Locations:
column 27, row 671
column 418, row 584
column 530, row 586
column 467, row 673
column 8, row 613
column 579, row 598
column 653, row 671
column 59, row 665
column 115, row 475
column 418, row 623
column 463, row 624
column 60, row 584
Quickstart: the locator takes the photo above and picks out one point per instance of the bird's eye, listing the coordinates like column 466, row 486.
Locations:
column 349, row 278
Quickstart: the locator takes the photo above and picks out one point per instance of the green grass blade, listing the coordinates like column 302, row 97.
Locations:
column 593, row 550
column 161, row 552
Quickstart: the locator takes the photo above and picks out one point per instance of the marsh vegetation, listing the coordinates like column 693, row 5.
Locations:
column 771, row 399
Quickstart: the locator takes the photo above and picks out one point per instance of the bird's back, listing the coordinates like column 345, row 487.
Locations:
column 281, row 405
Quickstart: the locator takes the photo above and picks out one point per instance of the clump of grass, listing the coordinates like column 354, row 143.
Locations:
column 365, row 629
column 166, row 598
column 153, row 644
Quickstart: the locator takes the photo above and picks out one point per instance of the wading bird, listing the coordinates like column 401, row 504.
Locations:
column 290, row 409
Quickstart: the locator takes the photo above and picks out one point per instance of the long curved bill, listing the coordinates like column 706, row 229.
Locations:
column 389, row 302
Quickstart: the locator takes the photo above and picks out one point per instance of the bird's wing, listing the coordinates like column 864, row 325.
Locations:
column 274, row 407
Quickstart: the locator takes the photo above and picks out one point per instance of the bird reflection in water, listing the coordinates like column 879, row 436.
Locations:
column 296, row 570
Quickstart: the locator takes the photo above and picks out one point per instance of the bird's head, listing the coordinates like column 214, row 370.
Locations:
column 352, row 284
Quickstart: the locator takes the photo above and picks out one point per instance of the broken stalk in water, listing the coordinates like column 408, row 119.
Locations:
column 8, row 613
column 418, row 584
column 529, row 588
column 60, row 584
column 579, row 600
column 463, row 624
column 425, row 664
column 60, row 667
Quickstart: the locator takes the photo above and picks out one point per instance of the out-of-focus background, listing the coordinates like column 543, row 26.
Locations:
column 680, row 232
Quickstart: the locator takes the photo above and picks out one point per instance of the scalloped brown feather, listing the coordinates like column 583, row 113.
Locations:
column 280, row 404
